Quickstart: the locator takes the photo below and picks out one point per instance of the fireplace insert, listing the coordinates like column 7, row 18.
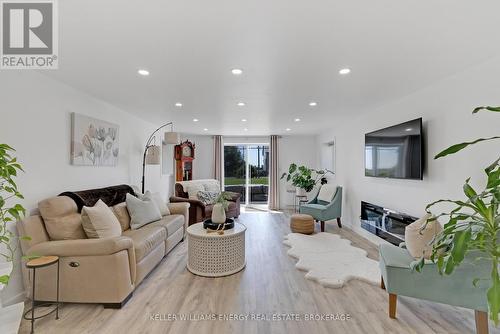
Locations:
column 385, row 223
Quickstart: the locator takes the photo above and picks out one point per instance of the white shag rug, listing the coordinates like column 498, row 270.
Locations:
column 331, row 260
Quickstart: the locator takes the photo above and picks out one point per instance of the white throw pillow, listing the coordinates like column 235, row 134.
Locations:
column 100, row 222
column 160, row 203
column 418, row 240
column 141, row 212
column 326, row 192
column 193, row 188
column 213, row 186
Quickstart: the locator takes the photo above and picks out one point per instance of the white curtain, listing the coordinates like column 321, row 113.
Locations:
column 274, row 179
column 219, row 159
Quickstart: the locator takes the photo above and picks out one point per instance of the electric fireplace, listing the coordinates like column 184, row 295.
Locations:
column 385, row 223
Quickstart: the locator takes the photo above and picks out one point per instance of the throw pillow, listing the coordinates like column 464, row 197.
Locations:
column 326, row 193
column 156, row 198
column 100, row 222
column 122, row 214
column 193, row 188
column 61, row 218
column 418, row 240
column 208, row 197
column 141, row 212
column 212, row 186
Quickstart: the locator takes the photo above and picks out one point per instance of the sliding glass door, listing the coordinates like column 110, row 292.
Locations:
column 246, row 171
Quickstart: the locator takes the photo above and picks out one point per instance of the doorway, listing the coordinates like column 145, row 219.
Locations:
column 246, row 171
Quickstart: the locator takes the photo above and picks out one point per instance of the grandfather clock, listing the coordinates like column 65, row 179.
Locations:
column 184, row 156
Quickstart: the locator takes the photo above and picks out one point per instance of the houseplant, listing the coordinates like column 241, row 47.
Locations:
column 221, row 204
column 304, row 178
column 9, row 213
column 472, row 226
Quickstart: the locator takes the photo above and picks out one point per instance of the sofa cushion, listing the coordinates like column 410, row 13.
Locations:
column 141, row 212
column 146, row 239
column 156, row 198
column 61, row 218
column 171, row 223
column 193, row 188
column 121, row 212
column 212, row 186
column 418, row 239
column 100, row 222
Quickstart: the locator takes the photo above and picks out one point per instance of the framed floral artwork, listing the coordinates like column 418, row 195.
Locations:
column 93, row 142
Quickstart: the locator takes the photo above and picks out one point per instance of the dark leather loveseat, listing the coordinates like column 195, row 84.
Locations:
column 198, row 211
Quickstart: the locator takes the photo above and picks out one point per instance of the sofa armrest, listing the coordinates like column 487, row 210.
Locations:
column 193, row 202
column 234, row 196
column 81, row 247
column 180, row 208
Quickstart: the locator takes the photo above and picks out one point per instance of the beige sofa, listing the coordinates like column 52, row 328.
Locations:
column 98, row 270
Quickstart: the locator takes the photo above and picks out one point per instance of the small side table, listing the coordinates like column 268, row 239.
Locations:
column 34, row 264
column 299, row 199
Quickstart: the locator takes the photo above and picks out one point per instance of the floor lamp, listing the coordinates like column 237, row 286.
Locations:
column 152, row 153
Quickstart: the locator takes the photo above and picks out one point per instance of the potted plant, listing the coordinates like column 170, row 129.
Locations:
column 472, row 226
column 9, row 213
column 303, row 178
column 221, row 204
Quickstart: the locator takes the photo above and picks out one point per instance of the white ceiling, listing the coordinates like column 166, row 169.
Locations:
column 290, row 52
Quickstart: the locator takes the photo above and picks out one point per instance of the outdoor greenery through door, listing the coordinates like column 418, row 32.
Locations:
column 246, row 171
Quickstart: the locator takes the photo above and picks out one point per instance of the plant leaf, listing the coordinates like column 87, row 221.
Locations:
column 493, row 295
column 4, row 279
column 460, row 245
column 458, row 147
column 488, row 108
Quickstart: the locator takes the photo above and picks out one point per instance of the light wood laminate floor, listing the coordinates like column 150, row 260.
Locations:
column 268, row 285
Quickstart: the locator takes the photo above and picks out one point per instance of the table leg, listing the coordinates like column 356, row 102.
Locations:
column 57, row 298
column 33, row 303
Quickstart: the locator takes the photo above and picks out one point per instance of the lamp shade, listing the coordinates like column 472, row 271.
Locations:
column 153, row 155
column 171, row 138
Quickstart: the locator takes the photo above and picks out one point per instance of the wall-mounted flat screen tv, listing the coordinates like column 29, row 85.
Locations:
column 395, row 152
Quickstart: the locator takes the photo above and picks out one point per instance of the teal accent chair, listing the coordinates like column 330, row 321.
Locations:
column 321, row 210
column 400, row 278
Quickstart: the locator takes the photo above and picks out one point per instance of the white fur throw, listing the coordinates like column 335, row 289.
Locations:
column 331, row 260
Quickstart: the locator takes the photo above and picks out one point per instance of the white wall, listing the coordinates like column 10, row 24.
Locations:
column 446, row 111
column 35, row 120
column 301, row 150
column 203, row 165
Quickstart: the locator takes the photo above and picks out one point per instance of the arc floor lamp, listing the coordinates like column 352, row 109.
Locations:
column 152, row 152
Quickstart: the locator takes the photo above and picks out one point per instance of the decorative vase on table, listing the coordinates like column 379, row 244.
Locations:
column 218, row 214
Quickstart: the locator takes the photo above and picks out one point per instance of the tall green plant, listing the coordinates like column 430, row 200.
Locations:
column 472, row 226
column 9, row 213
column 304, row 177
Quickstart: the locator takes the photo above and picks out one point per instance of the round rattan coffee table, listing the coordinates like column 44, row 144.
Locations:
column 213, row 254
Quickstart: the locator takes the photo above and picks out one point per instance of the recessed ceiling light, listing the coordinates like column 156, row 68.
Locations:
column 205, row 129
column 313, row 104
column 297, row 120
column 178, row 104
column 288, row 129
column 237, row 71
column 195, row 119
column 143, row 72
column 245, row 129
column 243, row 119
column 409, row 129
column 345, row 71
column 241, row 104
